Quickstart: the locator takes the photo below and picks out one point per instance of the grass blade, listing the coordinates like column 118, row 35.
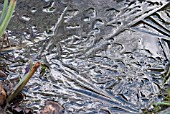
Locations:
column 166, row 103
column 7, row 17
column 4, row 11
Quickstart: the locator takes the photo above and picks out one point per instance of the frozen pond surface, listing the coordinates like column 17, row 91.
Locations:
column 104, row 56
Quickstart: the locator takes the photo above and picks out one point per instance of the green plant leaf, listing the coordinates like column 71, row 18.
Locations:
column 166, row 103
column 7, row 16
column 4, row 11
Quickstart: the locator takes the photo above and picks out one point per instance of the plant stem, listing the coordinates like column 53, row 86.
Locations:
column 18, row 88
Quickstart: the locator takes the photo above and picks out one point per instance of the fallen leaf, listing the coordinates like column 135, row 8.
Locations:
column 52, row 107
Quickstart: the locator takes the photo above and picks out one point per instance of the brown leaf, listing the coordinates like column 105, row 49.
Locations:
column 2, row 94
column 52, row 107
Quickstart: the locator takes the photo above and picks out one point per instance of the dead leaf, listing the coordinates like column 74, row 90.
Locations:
column 52, row 107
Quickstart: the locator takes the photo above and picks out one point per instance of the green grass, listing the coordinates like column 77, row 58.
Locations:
column 6, row 15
